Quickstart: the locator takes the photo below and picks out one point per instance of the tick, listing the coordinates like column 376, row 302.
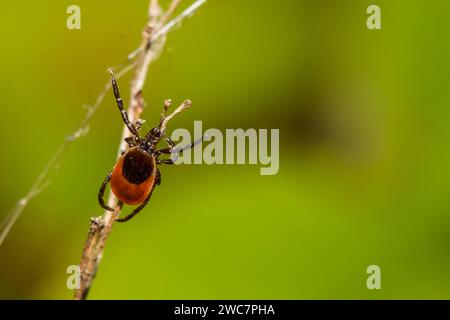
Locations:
column 136, row 172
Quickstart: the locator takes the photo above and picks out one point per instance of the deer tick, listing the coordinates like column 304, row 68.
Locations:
column 136, row 172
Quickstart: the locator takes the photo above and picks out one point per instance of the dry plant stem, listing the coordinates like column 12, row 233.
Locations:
column 186, row 104
column 152, row 43
column 178, row 19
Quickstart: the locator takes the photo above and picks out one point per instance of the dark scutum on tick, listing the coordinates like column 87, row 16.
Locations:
column 136, row 173
column 137, row 166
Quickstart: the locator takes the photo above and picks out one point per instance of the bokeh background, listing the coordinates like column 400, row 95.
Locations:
column 364, row 150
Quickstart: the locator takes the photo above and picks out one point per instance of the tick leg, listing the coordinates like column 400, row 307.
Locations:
column 169, row 142
column 173, row 150
column 123, row 112
column 101, row 192
column 164, row 161
column 137, row 210
column 158, row 177
column 168, row 150
column 163, row 151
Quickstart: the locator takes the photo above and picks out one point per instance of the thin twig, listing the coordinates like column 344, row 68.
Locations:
column 178, row 19
column 186, row 104
column 170, row 11
column 153, row 41
column 164, row 30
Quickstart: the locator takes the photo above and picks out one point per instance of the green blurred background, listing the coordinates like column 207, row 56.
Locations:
column 364, row 150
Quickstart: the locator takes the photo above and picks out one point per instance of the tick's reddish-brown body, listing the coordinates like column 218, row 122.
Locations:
column 133, row 176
